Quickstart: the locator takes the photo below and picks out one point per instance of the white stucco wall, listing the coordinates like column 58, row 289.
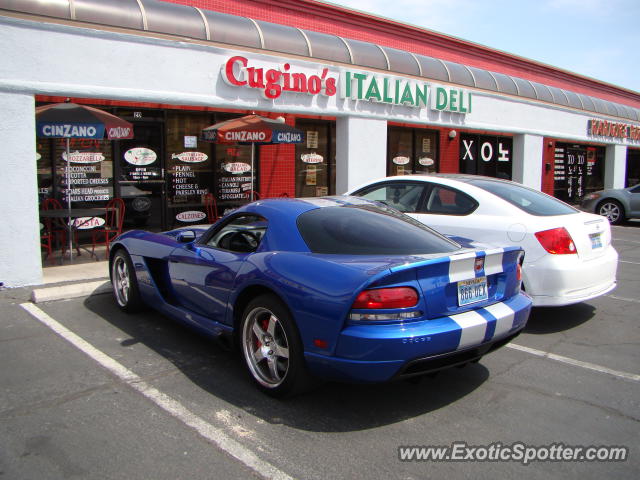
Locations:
column 19, row 228
column 361, row 151
column 64, row 60
column 615, row 166
column 526, row 149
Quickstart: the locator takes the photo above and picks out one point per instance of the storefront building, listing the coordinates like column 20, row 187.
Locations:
column 370, row 102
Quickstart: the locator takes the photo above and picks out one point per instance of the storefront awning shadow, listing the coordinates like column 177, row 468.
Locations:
column 331, row 407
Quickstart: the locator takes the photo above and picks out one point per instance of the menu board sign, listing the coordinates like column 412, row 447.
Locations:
column 184, row 182
column 82, row 176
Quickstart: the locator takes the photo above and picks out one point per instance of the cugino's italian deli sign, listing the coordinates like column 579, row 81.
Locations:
column 604, row 128
column 355, row 85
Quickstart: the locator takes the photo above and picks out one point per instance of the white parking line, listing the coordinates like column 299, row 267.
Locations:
column 615, row 297
column 632, row 263
column 575, row 363
column 169, row 405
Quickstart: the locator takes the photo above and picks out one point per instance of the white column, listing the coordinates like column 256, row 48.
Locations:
column 615, row 166
column 527, row 160
column 20, row 226
column 361, row 151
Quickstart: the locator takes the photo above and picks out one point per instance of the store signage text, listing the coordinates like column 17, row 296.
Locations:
column 355, row 85
column 486, row 151
column 272, row 82
column 237, row 167
column 140, row 156
column 396, row 91
column 191, row 216
column 69, row 130
column 190, row 157
column 604, row 128
column 83, row 157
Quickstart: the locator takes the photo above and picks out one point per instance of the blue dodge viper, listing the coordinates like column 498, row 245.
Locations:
column 338, row 288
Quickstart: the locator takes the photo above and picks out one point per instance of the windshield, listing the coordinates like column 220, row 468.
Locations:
column 526, row 199
column 369, row 230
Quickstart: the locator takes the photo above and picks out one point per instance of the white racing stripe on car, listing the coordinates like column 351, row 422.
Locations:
column 461, row 267
column 504, row 317
column 474, row 328
column 214, row 435
column 493, row 261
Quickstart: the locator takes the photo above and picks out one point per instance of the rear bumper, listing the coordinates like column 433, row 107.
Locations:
column 378, row 353
column 558, row 280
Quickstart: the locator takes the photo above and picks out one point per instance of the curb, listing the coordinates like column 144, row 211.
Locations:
column 75, row 290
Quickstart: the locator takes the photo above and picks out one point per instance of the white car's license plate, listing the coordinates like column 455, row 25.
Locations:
column 596, row 240
column 472, row 291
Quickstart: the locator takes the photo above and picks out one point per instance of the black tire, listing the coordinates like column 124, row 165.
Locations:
column 612, row 210
column 271, row 348
column 125, row 283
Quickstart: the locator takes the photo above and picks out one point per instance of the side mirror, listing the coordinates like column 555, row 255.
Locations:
column 187, row 236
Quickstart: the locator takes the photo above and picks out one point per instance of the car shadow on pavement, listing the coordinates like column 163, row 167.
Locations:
column 546, row 320
column 330, row 407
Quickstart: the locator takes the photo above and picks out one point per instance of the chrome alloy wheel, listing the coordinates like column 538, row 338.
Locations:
column 610, row 210
column 121, row 280
column 265, row 347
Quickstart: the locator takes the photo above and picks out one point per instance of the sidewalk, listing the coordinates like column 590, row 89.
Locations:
column 86, row 277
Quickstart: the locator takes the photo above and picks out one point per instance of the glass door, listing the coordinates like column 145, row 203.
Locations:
column 140, row 174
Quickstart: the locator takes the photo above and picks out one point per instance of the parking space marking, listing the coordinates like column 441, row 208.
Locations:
column 576, row 363
column 210, row 433
column 615, row 297
column 632, row 263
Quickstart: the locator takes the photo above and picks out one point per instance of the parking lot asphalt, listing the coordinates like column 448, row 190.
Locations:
column 91, row 392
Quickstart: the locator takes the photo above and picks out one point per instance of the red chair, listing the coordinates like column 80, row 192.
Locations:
column 211, row 207
column 256, row 195
column 47, row 238
column 112, row 226
column 55, row 226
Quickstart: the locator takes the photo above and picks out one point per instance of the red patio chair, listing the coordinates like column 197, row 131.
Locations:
column 56, row 227
column 112, row 226
column 47, row 238
column 211, row 207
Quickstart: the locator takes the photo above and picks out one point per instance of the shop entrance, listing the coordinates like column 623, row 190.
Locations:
column 140, row 177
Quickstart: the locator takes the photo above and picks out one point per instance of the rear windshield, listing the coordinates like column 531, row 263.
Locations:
column 531, row 201
column 369, row 230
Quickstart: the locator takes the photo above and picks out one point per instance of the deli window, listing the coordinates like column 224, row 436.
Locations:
column 411, row 150
column 315, row 166
column 486, row 155
column 84, row 175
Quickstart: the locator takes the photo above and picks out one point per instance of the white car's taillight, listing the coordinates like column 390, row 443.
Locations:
column 557, row 241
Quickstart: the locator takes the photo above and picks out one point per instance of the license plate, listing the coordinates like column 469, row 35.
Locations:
column 472, row 291
column 596, row 240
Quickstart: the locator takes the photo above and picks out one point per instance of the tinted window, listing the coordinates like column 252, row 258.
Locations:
column 369, row 230
column 403, row 196
column 448, row 201
column 531, row 201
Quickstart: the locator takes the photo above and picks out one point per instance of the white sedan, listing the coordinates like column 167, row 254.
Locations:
column 569, row 257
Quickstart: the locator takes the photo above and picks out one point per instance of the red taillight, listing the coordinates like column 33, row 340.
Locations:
column 556, row 241
column 396, row 297
column 519, row 273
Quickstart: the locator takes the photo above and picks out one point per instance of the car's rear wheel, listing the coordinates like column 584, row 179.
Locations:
column 272, row 349
column 125, row 283
column 612, row 210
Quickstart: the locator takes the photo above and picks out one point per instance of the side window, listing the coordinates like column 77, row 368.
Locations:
column 241, row 234
column 403, row 196
column 448, row 201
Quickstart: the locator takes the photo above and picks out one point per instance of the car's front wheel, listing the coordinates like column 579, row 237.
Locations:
column 125, row 283
column 612, row 210
column 272, row 349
